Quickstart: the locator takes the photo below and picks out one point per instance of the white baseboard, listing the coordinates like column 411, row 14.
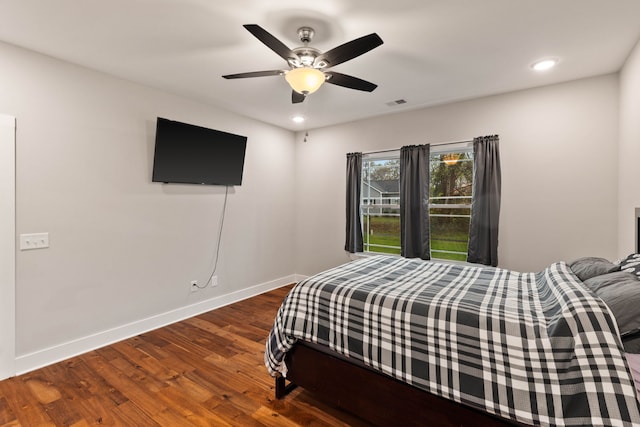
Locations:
column 48, row 356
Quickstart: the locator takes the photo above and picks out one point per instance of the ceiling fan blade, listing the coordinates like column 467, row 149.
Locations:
column 270, row 41
column 296, row 97
column 350, row 50
column 254, row 74
column 351, row 82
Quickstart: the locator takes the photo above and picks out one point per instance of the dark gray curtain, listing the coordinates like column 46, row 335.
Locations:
column 414, row 201
column 353, row 241
column 485, row 206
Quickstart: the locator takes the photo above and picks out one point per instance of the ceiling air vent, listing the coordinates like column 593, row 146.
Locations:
column 396, row 102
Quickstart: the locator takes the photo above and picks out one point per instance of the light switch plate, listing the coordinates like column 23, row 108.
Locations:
column 34, row 241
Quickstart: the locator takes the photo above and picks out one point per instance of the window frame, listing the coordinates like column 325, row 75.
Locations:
column 365, row 208
column 366, row 159
column 439, row 150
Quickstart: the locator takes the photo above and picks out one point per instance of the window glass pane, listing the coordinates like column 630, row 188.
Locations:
column 451, row 174
column 451, row 179
column 449, row 233
column 381, row 205
column 382, row 232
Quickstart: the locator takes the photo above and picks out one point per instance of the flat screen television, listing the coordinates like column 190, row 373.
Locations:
column 190, row 154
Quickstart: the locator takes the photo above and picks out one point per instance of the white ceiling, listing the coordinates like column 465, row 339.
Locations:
column 434, row 51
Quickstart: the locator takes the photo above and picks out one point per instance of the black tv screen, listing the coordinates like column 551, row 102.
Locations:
column 192, row 154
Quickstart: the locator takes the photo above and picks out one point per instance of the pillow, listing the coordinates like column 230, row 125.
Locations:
column 631, row 264
column 602, row 281
column 588, row 267
column 621, row 292
column 632, row 345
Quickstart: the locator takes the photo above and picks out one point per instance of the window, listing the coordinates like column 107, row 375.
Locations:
column 380, row 204
column 451, row 179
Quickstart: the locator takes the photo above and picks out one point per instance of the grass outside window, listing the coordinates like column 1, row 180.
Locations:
column 446, row 236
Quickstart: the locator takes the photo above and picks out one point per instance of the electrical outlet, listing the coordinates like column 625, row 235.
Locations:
column 194, row 286
column 214, row 281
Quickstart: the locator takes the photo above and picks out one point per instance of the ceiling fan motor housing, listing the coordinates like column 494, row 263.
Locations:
column 306, row 57
column 306, row 34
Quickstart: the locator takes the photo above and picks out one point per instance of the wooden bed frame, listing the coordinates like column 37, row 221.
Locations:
column 376, row 398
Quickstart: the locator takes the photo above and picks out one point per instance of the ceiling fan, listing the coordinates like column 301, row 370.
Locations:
column 308, row 66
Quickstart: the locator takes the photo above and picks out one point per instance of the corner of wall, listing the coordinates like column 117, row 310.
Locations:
column 628, row 151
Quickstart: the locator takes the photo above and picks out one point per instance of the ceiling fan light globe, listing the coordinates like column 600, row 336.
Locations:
column 305, row 80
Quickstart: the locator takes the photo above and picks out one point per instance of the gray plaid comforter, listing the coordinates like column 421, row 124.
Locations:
column 537, row 348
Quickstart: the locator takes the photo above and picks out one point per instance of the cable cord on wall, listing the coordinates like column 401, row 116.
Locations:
column 217, row 255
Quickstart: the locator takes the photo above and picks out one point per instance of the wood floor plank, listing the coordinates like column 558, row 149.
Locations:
column 204, row 371
column 23, row 404
column 98, row 412
column 88, row 382
column 62, row 413
column 6, row 414
column 142, row 360
column 202, row 414
column 129, row 388
column 44, row 392
column 132, row 415
column 271, row 418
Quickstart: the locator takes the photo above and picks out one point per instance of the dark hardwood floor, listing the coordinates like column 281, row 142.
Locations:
column 203, row 371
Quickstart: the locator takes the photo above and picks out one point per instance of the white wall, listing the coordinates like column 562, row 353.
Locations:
column 7, row 245
column 629, row 153
column 559, row 171
column 124, row 249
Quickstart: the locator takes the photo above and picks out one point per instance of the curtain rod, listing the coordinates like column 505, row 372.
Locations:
column 435, row 143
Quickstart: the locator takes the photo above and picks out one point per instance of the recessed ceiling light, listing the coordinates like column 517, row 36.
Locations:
column 544, row 64
column 298, row 119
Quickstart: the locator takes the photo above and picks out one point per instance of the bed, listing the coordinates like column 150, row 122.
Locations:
column 400, row 341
